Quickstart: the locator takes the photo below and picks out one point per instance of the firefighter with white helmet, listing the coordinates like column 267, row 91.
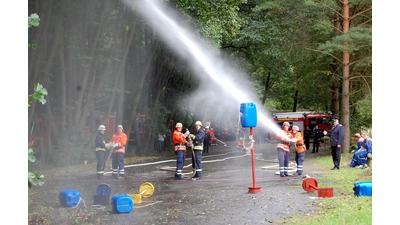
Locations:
column 300, row 149
column 119, row 139
column 101, row 148
column 198, row 140
column 180, row 144
column 283, row 148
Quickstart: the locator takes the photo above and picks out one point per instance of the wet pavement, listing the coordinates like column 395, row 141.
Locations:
column 222, row 196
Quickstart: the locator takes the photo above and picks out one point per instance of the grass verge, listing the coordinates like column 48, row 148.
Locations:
column 344, row 207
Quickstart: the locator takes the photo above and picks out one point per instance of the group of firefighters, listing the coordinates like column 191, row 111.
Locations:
column 117, row 150
column 183, row 140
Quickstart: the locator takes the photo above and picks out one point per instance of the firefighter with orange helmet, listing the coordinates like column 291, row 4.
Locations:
column 180, row 144
column 198, row 140
column 119, row 140
column 283, row 147
column 300, row 149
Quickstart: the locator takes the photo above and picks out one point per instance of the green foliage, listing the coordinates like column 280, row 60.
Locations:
column 33, row 21
column 35, row 179
column 156, row 121
column 31, row 155
column 39, row 93
column 73, row 148
column 218, row 20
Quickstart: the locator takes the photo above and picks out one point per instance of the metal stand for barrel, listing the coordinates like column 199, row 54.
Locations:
column 102, row 196
column 254, row 188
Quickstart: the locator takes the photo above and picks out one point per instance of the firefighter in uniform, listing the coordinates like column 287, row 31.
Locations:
column 180, row 144
column 300, row 149
column 101, row 148
column 336, row 135
column 198, row 140
column 317, row 139
column 307, row 138
column 283, row 148
column 119, row 139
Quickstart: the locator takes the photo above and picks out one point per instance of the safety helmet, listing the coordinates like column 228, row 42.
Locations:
column 286, row 123
column 178, row 125
column 120, row 126
column 102, row 127
column 198, row 123
column 241, row 138
column 207, row 127
column 295, row 128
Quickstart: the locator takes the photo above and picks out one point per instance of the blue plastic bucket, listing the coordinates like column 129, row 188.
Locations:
column 248, row 114
column 122, row 203
column 69, row 198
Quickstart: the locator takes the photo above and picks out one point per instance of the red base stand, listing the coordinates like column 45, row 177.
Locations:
column 256, row 189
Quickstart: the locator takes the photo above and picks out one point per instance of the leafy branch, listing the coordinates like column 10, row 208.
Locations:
column 38, row 94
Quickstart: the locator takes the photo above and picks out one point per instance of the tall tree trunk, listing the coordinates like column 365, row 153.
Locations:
column 345, row 109
column 137, row 95
column 266, row 88
column 295, row 100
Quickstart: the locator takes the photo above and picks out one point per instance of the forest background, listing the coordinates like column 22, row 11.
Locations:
column 101, row 59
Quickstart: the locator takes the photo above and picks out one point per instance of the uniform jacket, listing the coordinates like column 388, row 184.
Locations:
column 100, row 142
column 317, row 133
column 367, row 145
column 121, row 139
column 300, row 147
column 199, row 139
column 284, row 138
column 179, row 140
column 360, row 143
column 336, row 135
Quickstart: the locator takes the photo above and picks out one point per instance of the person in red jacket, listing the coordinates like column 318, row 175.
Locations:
column 119, row 140
column 180, row 144
column 240, row 143
column 283, row 148
column 300, row 149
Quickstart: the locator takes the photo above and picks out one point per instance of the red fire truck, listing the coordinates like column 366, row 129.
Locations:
column 304, row 120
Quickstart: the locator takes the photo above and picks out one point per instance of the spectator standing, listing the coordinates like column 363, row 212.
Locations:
column 161, row 138
column 207, row 139
column 307, row 137
column 336, row 135
column 317, row 139
column 119, row 139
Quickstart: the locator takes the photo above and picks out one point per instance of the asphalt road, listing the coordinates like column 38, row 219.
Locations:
column 223, row 196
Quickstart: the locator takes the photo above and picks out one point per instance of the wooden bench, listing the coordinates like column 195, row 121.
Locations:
column 369, row 160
